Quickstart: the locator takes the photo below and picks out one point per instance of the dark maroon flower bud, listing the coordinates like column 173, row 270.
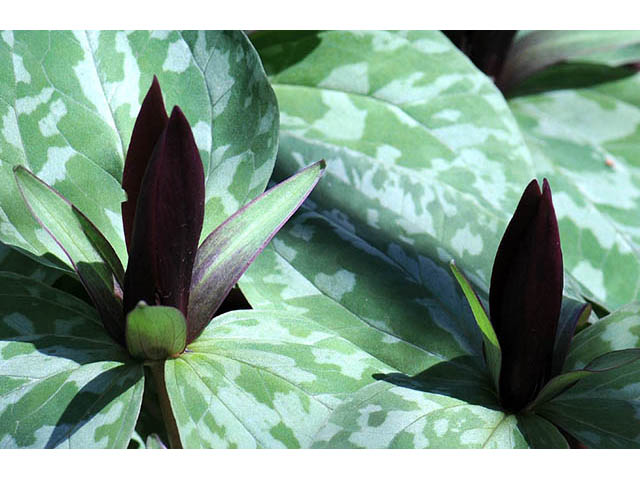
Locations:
column 168, row 221
column 526, row 296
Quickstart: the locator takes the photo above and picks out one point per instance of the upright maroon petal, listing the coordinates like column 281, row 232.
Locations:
column 168, row 221
column 149, row 125
column 526, row 296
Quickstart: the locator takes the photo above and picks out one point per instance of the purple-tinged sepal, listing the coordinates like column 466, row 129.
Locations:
column 168, row 221
column 147, row 130
column 526, row 295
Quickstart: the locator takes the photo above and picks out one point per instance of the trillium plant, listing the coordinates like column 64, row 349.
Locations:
column 180, row 268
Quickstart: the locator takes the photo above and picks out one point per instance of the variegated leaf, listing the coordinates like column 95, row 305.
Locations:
column 68, row 102
column 262, row 379
column 586, row 142
column 385, row 416
column 424, row 163
column 532, row 51
column 63, row 380
column 13, row 261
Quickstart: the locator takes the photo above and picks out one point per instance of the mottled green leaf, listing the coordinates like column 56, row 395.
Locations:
column 63, row 380
column 155, row 332
column 600, row 410
column 386, row 416
column 586, row 141
column 69, row 100
column 229, row 250
column 533, row 51
column 424, row 163
column 262, row 379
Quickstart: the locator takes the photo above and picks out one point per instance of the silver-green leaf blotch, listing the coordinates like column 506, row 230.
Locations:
column 63, row 381
column 262, row 379
column 386, row 416
column 70, row 100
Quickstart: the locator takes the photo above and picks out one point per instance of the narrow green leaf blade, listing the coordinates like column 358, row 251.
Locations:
column 263, row 379
column 155, row 332
column 491, row 344
column 229, row 250
column 385, row 416
column 93, row 258
column 63, row 381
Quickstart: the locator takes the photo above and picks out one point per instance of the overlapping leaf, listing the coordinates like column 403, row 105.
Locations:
column 424, row 163
column 262, row 379
column 532, row 51
column 68, row 102
column 586, row 142
column 63, row 381
column 386, row 416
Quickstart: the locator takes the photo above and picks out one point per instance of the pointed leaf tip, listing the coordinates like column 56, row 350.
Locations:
column 229, row 250
column 151, row 122
column 168, row 221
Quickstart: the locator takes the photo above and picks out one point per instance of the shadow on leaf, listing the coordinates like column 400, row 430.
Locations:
column 464, row 378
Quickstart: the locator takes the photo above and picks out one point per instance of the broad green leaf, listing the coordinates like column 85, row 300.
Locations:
column 386, row 416
column 155, row 332
column 229, row 250
column 13, row 261
column 586, row 141
column 262, row 379
column 89, row 252
column 618, row 331
column 597, row 410
column 492, row 350
column 424, row 164
column 69, row 100
column 540, row 433
column 535, row 50
column 600, row 410
column 63, row 380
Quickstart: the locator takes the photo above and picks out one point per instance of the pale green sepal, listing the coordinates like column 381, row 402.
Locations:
column 491, row 344
column 155, row 332
column 154, row 442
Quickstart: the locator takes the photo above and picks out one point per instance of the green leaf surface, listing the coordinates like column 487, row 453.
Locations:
column 598, row 410
column 69, row 100
column 230, row 249
column 386, row 416
column 154, row 442
column 262, row 379
column 89, row 252
column 540, row 433
column 586, row 142
column 424, row 164
column 63, row 381
column 17, row 262
column 535, row 50
column 492, row 350
column 155, row 332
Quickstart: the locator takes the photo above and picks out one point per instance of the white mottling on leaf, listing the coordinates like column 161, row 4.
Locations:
column 343, row 120
column 350, row 78
column 465, row 240
column 202, row 135
column 387, row 153
column 591, row 277
column 448, row 114
column 10, row 131
column 178, row 57
column 7, row 36
column 336, row 285
column 430, row 47
column 21, row 73
column 55, row 168
column 28, row 105
column 49, row 124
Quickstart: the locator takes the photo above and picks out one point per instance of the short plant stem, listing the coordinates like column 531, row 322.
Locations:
column 157, row 371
